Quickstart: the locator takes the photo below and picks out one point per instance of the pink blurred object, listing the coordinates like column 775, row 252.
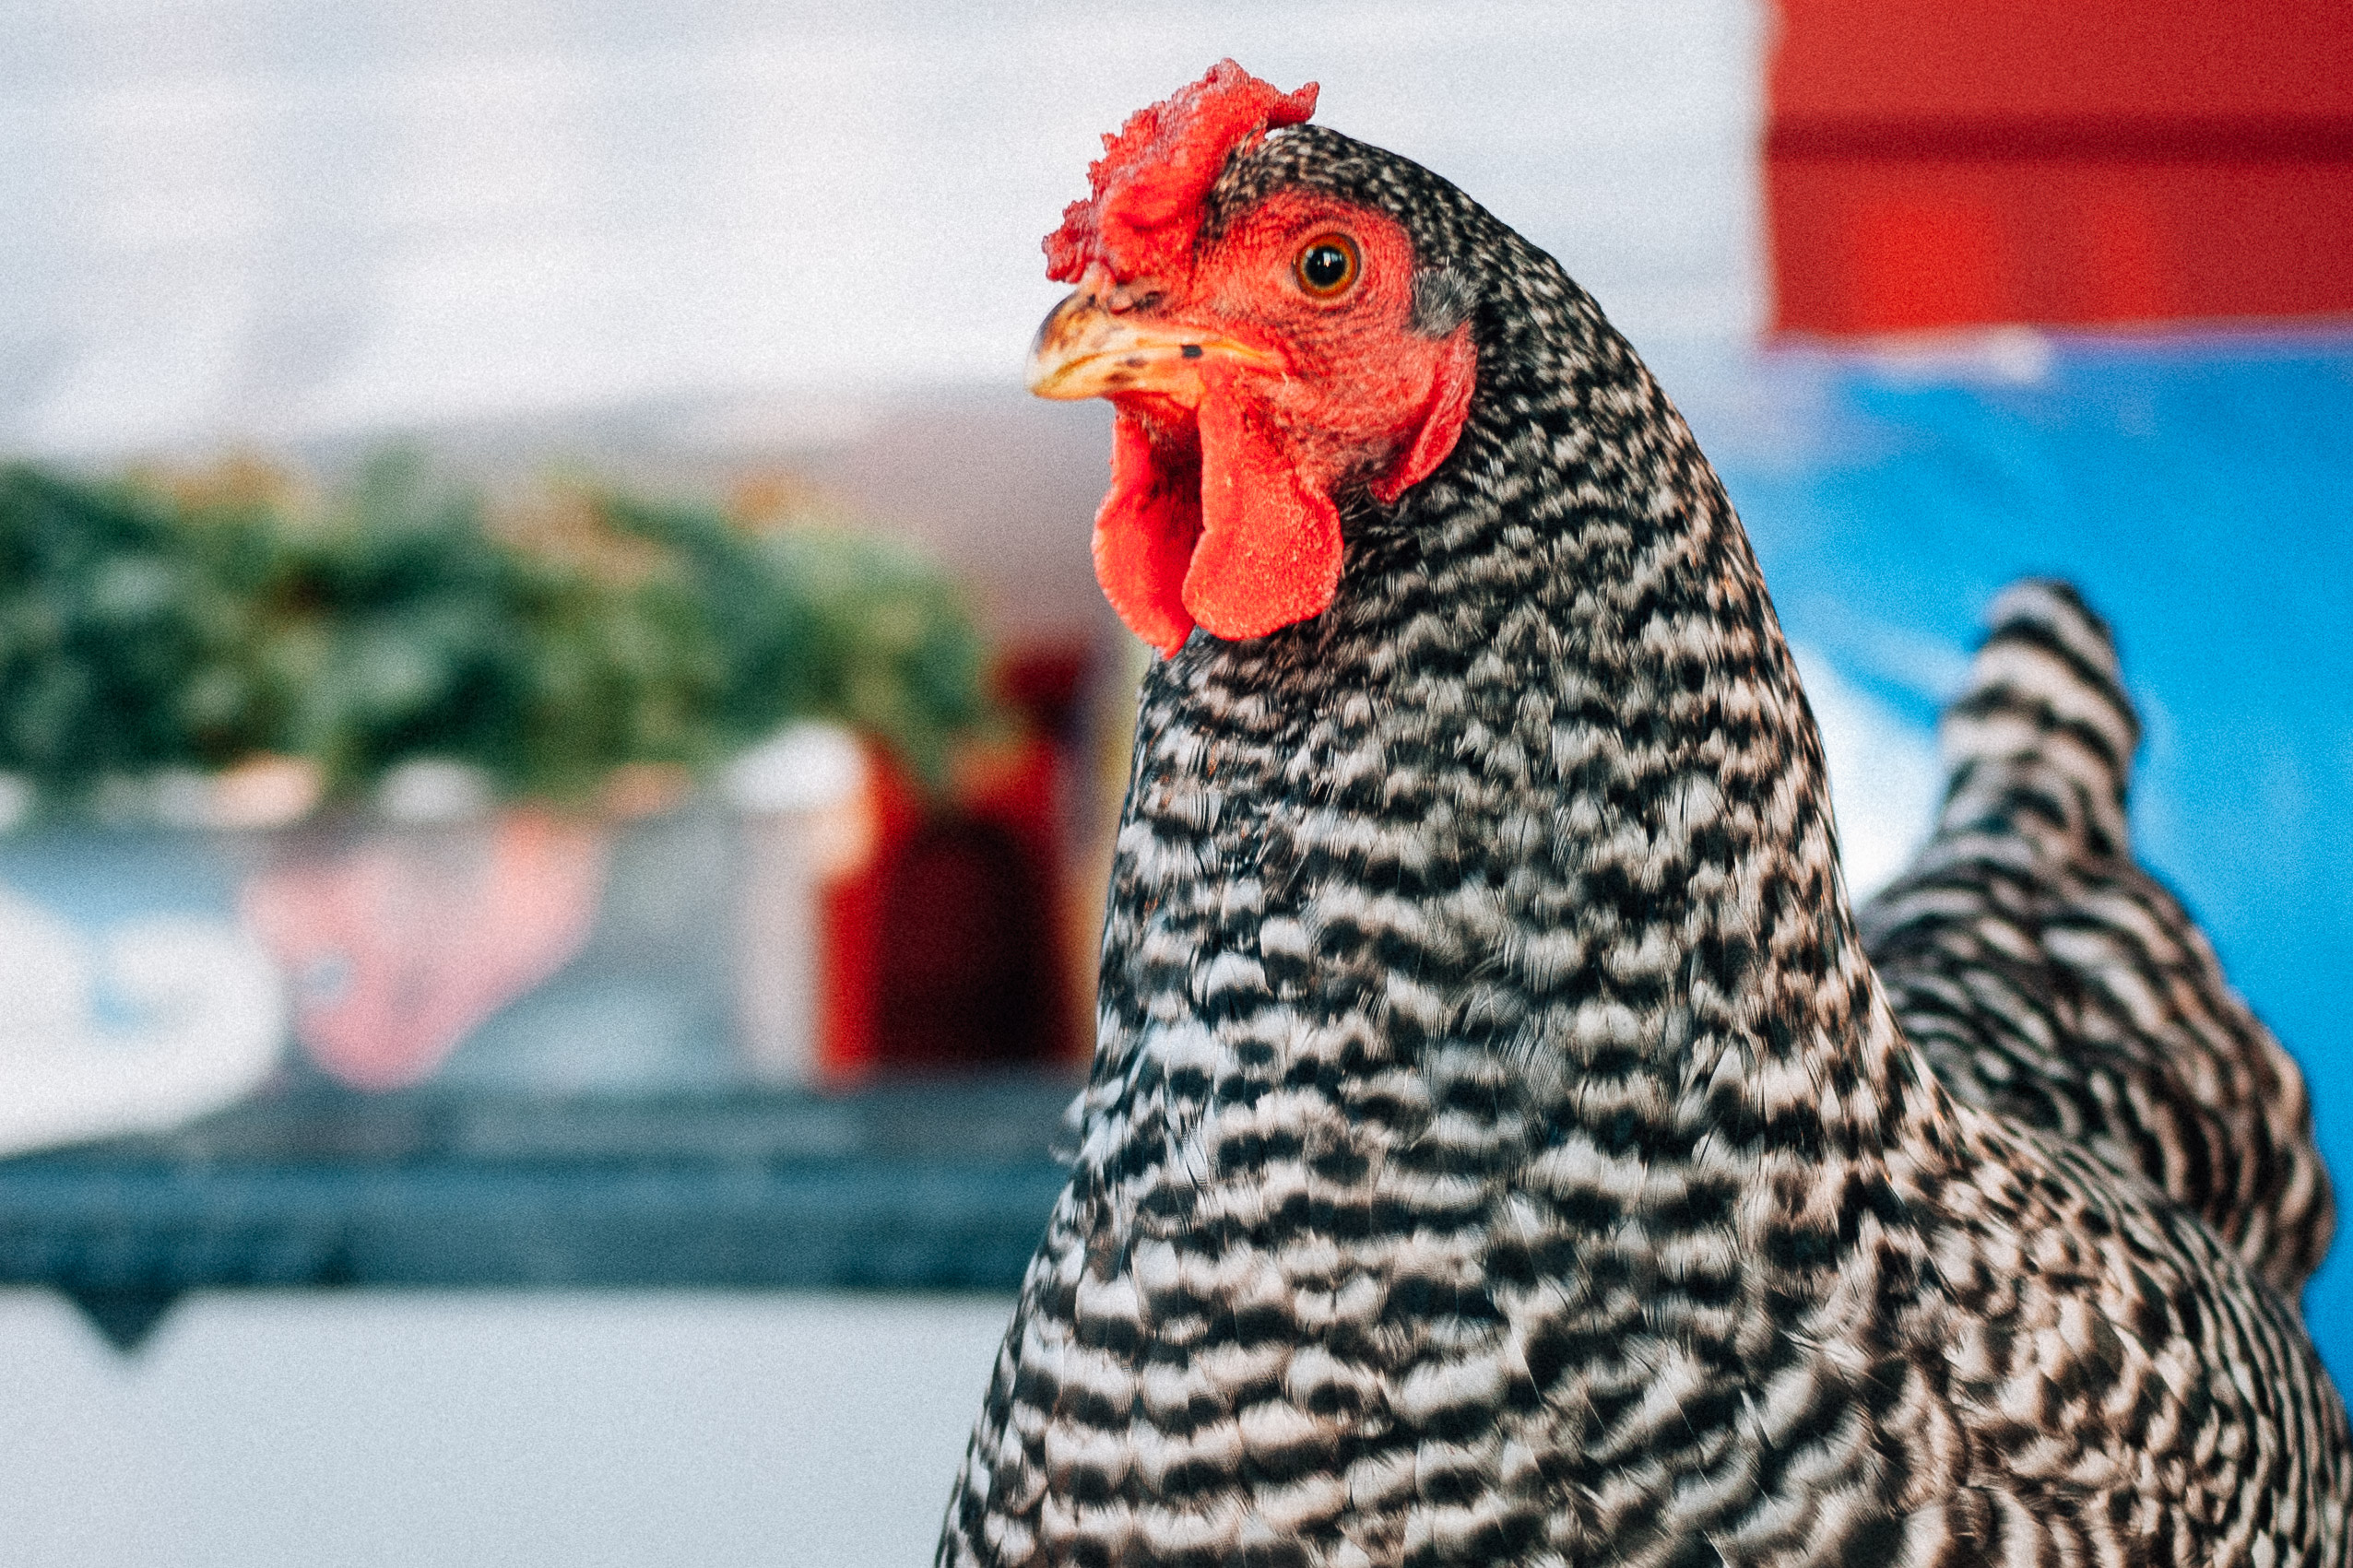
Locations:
column 401, row 941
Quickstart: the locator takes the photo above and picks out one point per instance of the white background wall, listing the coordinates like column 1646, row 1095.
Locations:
column 277, row 220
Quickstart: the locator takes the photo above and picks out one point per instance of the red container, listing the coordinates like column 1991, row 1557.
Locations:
column 1933, row 165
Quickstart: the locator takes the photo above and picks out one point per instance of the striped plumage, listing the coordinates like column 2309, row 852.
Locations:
column 2052, row 980
column 1499, row 1149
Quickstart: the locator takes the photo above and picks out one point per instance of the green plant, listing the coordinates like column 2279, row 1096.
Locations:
column 122, row 649
column 145, row 629
column 817, row 619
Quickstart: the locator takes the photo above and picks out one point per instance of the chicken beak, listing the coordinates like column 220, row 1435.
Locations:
column 1085, row 348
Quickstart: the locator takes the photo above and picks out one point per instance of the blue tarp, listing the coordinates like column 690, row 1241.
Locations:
column 2200, row 491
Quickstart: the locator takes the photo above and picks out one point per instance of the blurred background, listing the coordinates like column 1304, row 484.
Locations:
column 557, row 737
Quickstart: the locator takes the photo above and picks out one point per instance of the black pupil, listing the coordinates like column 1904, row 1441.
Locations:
column 1324, row 266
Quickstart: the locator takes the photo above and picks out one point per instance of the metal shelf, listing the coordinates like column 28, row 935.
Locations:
column 936, row 1187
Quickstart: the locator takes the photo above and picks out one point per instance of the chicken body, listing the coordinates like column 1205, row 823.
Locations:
column 2051, row 980
column 1499, row 1149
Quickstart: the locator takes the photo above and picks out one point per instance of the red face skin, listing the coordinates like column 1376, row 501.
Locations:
column 1247, row 402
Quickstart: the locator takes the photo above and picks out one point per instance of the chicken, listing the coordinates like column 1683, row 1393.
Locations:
column 1498, row 1146
column 2049, row 979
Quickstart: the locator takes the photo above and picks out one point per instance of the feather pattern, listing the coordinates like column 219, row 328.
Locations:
column 1499, row 1147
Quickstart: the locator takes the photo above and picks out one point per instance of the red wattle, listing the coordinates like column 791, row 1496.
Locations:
column 1270, row 545
column 1217, row 525
column 1144, row 532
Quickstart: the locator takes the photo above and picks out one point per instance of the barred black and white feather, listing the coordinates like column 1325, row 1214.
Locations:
column 2050, row 979
column 1499, row 1149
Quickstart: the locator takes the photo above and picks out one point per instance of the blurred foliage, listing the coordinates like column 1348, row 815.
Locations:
column 147, row 626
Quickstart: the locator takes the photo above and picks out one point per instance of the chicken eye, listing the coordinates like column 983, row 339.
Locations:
column 1328, row 266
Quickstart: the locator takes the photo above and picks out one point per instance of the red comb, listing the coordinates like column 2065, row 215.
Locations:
column 1146, row 204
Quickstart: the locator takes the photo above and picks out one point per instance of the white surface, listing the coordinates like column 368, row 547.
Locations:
column 807, row 767
column 151, row 1023
column 432, row 792
column 514, row 1430
column 274, row 220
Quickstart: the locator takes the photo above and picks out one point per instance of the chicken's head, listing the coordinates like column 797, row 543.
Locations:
column 1268, row 358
